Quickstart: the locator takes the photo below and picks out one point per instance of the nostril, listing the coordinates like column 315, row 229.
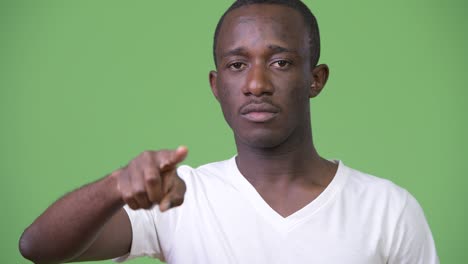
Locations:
column 259, row 87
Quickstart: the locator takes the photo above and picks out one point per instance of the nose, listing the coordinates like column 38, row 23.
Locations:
column 258, row 82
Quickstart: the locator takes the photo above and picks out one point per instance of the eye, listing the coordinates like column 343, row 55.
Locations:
column 237, row 66
column 281, row 64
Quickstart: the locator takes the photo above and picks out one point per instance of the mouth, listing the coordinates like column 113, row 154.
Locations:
column 259, row 112
column 259, row 117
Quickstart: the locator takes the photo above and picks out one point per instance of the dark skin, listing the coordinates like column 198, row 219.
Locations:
column 264, row 82
column 90, row 223
column 265, row 66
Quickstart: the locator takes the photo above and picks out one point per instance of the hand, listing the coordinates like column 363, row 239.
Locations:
column 151, row 178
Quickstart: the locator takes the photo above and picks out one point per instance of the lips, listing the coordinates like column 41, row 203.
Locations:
column 259, row 112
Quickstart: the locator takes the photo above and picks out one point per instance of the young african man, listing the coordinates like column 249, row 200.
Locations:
column 276, row 201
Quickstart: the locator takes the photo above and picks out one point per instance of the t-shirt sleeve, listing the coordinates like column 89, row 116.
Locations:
column 152, row 231
column 412, row 241
column 145, row 241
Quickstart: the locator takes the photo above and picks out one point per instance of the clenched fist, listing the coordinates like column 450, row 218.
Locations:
column 151, row 178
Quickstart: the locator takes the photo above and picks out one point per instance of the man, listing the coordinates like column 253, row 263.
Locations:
column 276, row 201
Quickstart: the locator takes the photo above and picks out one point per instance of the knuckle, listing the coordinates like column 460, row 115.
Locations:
column 145, row 155
column 153, row 180
column 164, row 154
column 127, row 197
column 124, row 175
column 150, row 172
column 163, row 160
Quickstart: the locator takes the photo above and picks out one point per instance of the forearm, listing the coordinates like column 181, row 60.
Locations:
column 70, row 225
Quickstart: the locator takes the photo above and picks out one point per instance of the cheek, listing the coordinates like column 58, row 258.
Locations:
column 226, row 96
column 295, row 101
column 229, row 91
column 294, row 92
column 228, row 85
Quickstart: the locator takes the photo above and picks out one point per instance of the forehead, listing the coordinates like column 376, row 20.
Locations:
column 263, row 23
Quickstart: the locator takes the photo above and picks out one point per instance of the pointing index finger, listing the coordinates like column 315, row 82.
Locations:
column 177, row 156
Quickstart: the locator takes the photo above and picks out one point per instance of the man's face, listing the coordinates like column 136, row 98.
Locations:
column 264, row 77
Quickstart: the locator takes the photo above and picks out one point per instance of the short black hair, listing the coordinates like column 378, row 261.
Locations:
column 309, row 20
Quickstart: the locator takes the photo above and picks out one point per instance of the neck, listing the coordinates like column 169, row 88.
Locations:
column 292, row 161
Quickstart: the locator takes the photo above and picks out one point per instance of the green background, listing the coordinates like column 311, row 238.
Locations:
column 85, row 86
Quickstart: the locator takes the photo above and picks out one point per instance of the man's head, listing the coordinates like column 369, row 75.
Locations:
column 266, row 74
column 309, row 20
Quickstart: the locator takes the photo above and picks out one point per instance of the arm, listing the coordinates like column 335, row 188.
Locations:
column 69, row 226
column 90, row 223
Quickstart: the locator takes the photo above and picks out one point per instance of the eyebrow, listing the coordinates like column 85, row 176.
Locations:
column 243, row 50
column 279, row 49
column 233, row 52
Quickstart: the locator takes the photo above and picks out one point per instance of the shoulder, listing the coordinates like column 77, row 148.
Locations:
column 214, row 173
column 373, row 198
column 373, row 189
column 213, row 168
column 396, row 215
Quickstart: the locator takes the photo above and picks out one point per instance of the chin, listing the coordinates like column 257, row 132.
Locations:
column 261, row 139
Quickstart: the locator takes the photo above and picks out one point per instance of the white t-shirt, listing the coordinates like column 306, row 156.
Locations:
column 357, row 219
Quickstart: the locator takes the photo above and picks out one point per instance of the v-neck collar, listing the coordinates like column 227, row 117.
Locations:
column 278, row 221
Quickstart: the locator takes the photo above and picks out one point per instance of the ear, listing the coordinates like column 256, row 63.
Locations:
column 213, row 78
column 320, row 76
